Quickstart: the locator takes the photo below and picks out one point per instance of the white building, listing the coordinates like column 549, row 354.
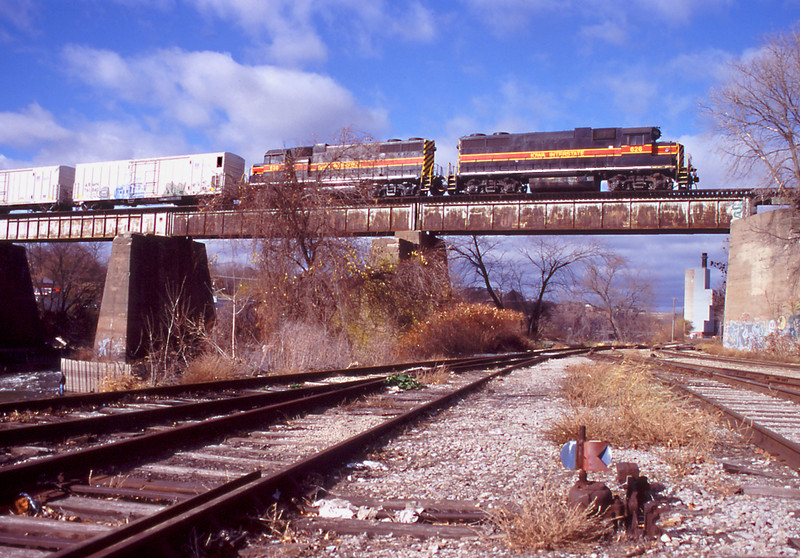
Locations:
column 698, row 300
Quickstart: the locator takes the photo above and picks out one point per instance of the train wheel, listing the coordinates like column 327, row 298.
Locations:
column 474, row 187
column 615, row 183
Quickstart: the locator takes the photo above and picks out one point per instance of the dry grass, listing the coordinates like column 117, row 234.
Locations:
column 465, row 329
column 120, row 382
column 434, row 376
column 381, row 402
column 209, row 367
column 779, row 348
column 546, row 522
column 625, row 406
column 301, row 347
column 684, row 461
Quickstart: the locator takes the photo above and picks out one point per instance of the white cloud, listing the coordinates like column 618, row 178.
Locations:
column 19, row 13
column 600, row 20
column 37, row 135
column 297, row 32
column 30, row 126
column 242, row 107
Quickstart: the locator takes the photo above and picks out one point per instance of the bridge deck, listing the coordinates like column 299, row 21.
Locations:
column 670, row 214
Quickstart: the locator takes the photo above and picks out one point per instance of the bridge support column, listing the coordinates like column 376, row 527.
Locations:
column 763, row 290
column 151, row 279
column 404, row 244
column 20, row 327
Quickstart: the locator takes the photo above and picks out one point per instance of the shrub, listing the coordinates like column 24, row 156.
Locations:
column 209, row 367
column 119, row 382
column 304, row 346
column 465, row 329
column 625, row 406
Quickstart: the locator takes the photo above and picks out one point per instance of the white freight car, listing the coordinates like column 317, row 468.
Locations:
column 179, row 179
column 36, row 188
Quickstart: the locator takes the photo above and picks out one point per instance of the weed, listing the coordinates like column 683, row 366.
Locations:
column 404, row 382
column 209, row 367
column 433, row 376
column 276, row 525
column 625, row 406
column 302, row 346
column 547, row 522
column 120, row 382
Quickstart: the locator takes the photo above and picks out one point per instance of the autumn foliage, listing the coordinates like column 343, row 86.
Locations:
column 465, row 329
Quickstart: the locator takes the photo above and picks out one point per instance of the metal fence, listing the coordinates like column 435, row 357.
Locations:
column 83, row 376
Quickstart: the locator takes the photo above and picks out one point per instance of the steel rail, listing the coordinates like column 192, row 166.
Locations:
column 761, row 382
column 136, row 536
column 107, row 455
column 759, row 435
column 139, row 419
column 790, row 366
column 103, row 424
column 87, row 399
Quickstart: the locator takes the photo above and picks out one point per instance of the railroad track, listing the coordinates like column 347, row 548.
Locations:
column 146, row 490
column 764, row 406
column 776, row 379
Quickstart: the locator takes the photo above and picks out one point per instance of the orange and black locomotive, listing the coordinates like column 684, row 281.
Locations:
column 573, row 160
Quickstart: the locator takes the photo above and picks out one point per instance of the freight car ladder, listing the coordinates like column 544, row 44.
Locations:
column 687, row 177
column 452, row 179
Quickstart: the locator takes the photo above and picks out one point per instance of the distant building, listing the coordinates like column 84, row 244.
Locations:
column 698, row 301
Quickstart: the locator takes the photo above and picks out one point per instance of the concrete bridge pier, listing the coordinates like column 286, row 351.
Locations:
column 20, row 327
column 762, row 299
column 151, row 280
column 403, row 244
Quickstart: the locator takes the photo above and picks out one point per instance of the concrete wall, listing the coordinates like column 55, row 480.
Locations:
column 20, row 327
column 763, row 291
column 146, row 273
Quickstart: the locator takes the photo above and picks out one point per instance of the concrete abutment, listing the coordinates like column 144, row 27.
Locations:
column 762, row 301
column 21, row 333
column 148, row 275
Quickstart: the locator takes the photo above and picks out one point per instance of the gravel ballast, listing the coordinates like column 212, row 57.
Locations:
column 489, row 449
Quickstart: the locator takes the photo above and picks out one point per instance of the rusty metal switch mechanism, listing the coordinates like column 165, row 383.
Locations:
column 637, row 511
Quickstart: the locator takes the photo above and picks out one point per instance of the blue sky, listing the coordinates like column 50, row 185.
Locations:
column 90, row 80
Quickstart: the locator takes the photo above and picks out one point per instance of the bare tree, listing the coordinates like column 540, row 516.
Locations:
column 312, row 283
column 545, row 266
column 302, row 261
column 757, row 113
column 480, row 256
column 619, row 293
column 176, row 332
column 69, row 279
column 554, row 263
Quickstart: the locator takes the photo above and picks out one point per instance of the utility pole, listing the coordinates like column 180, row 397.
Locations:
column 673, row 319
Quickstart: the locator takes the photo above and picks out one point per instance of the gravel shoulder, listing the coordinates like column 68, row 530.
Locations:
column 489, row 449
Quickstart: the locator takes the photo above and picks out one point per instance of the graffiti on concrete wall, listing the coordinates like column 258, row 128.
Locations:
column 110, row 348
column 754, row 335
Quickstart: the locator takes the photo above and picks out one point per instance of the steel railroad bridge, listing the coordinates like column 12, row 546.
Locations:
column 670, row 212
column 156, row 247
